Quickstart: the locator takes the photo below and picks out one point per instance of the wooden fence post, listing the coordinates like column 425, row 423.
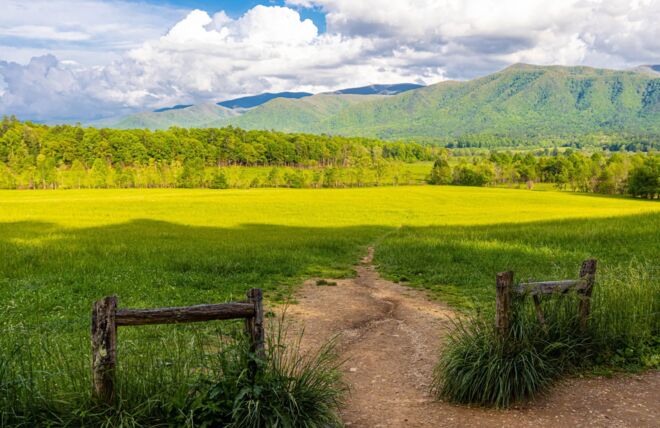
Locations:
column 503, row 302
column 255, row 328
column 104, row 348
column 587, row 274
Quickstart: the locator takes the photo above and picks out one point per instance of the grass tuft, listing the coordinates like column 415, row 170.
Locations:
column 479, row 367
column 291, row 388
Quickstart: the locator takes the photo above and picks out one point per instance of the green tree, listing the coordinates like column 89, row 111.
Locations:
column 6, row 178
column 192, row 174
column 274, row 178
column 77, row 174
column 331, row 177
column 125, row 177
column 46, row 174
column 645, row 179
column 219, row 180
column 98, row 174
column 441, row 172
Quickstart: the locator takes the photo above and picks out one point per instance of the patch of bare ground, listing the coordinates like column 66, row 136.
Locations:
column 390, row 335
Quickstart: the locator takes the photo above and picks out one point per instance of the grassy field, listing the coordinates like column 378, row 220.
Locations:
column 64, row 249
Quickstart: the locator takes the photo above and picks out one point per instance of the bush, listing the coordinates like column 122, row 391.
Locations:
column 471, row 175
column 219, row 180
column 289, row 389
column 478, row 367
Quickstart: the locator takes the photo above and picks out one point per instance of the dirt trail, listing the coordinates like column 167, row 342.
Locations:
column 390, row 334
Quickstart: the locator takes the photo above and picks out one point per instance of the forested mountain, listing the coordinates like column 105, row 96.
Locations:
column 194, row 116
column 287, row 115
column 520, row 101
column 190, row 116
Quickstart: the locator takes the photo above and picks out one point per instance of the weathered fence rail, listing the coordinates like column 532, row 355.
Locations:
column 505, row 290
column 106, row 318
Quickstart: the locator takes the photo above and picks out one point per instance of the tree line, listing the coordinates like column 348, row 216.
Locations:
column 35, row 156
column 40, row 156
column 618, row 142
column 637, row 175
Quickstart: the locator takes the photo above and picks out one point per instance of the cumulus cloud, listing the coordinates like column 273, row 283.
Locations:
column 607, row 33
column 271, row 48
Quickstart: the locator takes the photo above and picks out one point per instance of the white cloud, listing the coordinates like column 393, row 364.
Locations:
column 614, row 33
column 208, row 58
column 43, row 32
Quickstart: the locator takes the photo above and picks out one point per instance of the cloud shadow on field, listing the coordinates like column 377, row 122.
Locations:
column 57, row 272
column 156, row 263
column 459, row 263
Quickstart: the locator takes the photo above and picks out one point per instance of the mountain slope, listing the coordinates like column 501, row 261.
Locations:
column 393, row 89
column 519, row 100
column 256, row 100
column 522, row 99
column 189, row 117
column 176, row 107
column 306, row 114
column 651, row 69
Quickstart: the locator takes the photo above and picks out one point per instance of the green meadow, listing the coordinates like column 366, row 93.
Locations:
column 61, row 250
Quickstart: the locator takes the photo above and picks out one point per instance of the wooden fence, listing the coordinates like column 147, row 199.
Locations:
column 505, row 291
column 106, row 318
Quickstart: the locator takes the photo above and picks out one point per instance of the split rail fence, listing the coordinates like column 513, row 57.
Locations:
column 106, row 317
column 506, row 289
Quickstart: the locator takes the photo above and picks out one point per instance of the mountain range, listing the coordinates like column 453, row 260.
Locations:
column 521, row 99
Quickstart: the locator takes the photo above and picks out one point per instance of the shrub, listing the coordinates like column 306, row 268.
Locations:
column 290, row 388
column 220, row 180
column 477, row 366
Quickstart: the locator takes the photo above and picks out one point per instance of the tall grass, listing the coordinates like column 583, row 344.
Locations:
column 478, row 366
column 625, row 320
column 49, row 382
column 291, row 388
column 199, row 382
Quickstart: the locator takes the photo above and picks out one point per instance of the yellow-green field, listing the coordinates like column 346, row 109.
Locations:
column 61, row 250
column 380, row 206
column 148, row 246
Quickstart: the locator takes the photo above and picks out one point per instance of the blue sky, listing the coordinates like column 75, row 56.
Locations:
column 236, row 8
column 89, row 59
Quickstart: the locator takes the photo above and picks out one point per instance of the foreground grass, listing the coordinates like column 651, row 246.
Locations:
column 64, row 249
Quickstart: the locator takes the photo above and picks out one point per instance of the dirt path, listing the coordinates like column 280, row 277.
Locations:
column 390, row 334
